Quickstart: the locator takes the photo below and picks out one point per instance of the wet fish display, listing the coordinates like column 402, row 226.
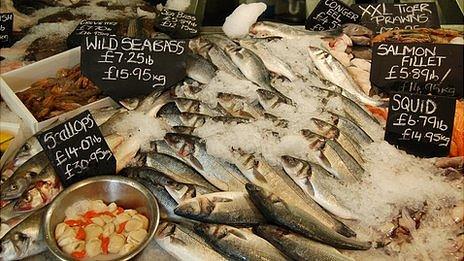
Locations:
column 261, row 153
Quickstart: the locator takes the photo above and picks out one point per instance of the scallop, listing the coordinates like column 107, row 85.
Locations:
column 60, row 229
column 76, row 209
column 74, row 246
column 93, row 247
column 108, row 229
column 92, row 231
column 116, row 243
column 98, row 206
column 131, row 212
column 136, row 237
column 63, row 241
column 126, row 248
column 112, row 207
column 69, row 232
column 121, row 218
column 133, row 224
column 143, row 219
column 107, row 219
column 98, row 221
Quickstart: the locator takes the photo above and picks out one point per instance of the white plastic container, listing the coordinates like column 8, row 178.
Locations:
column 21, row 79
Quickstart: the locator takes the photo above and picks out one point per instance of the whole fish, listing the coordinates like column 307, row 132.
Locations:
column 330, row 131
column 317, row 183
column 353, row 130
column 13, row 219
column 223, row 62
column 238, row 243
column 334, row 157
column 219, row 173
column 200, row 46
column 178, row 191
column 272, row 63
column 200, row 69
column 184, row 244
column 232, row 208
column 176, row 170
column 260, row 173
column 32, row 147
column 352, row 111
column 336, row 73
column 294, row 218
column 297, row 246
column 166, row 202
column 237, row 106
column 219, row 40
column 151, row 104
column 195, row 106
column 24, row 240
column 27, row 173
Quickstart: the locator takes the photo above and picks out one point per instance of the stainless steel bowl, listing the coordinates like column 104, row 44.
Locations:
column 125, row 192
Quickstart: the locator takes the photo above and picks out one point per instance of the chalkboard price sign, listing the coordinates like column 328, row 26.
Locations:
column 89, row 28
column 421, row 124
column 77, row 149
column 329, row 15
column 177, row 24
column 6, row 29
column 418, row 68
column 125, row 67
column 382, row 17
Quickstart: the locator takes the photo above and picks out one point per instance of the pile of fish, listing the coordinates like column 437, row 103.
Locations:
column 251, row 152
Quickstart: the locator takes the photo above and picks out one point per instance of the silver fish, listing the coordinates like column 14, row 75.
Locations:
column 272, row 63
column 200, row 69
column 184, row 244
column 232, row 208
column 24, row 240
column 237, row 106
column 23, row 177
column 238, row 243
column 176, row 170
column 330, row 131
column 317, row 183
column 219, row 173
column 223, row 62
column 297, row 246
column 333, row 157
column 353, row 130
column 293, row 217
column 178, row 191
column 336, row 73
column 259, row 172
column 195, row 106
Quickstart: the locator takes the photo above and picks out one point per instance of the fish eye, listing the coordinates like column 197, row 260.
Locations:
column 13, row 187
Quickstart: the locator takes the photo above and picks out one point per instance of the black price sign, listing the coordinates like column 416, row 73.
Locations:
column 383, row 17
column 330, row 14
column 125, row 67
column 77, row 149
column 90, row 28
column 421, row 124
column 177, row 24
column 6, row 29
column 418, row 68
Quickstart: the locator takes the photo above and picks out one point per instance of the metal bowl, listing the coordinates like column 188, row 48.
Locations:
column 125, row 192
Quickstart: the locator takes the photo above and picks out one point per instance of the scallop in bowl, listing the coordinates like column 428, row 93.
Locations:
column 101, row 218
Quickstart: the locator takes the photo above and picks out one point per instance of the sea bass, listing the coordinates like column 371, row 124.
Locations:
column 232, row 208
column 296, row 219
column 184, row 244
column 297, row 246
column 239, row 243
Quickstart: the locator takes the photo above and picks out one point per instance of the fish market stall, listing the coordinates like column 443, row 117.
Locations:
column 134, row 133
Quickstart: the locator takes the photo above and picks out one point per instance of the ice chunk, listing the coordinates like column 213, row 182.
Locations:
column 237, row 24
column 178, row 5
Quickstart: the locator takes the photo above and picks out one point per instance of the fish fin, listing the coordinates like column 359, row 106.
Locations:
column 195, row 162
column 175, row 240
column 259, row 176
column 221, row 199
column 238, row 233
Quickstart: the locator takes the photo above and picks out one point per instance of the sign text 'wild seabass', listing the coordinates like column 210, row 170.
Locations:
column 125, row 67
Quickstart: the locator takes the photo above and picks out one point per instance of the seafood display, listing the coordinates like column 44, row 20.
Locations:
column 272, row 148
column 50, row 97
column 92, row 228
